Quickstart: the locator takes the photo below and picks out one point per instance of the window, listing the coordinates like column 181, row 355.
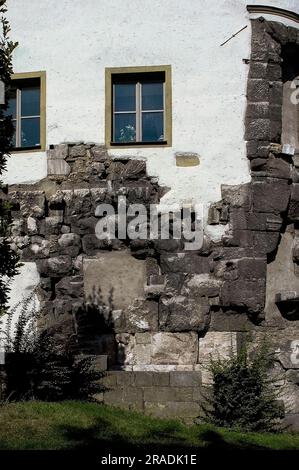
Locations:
column 26, row 105
column 138, row 106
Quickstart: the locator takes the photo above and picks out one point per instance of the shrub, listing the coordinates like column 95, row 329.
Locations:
column 37, row 367
column 243, row 395
column 9, row 262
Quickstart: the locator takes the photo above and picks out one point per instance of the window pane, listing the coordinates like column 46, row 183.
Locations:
column 30, row 101
column 125, row 127
column 152, row 96
column 30, row 132
column 14, row 136
column 125, row 97
column 152, row 127
column 12, row 104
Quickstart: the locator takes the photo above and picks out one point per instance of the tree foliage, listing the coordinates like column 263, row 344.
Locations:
column 8, row 258
column 244, row 395
column 38, row 367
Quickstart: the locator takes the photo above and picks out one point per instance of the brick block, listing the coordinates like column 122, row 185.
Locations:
column 143, row 379
column 185, row 379
column 161, row 379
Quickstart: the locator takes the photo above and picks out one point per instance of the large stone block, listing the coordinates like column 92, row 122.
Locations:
column 70, row 244
column 185, row 379
column 91, row 244
column 58, row 167
column 258, row 129
column 55, row 267
column 258, row 90
column 237, row 196
column 185, row 263
column 180, row 313
column 270, row 195
column 166, row 394
column 174, row 348
column 249, row 294
column 141, row 315
column 70, row 287
column 123, row 280
column 265, row 242
column 32, row 203
column 216, row 344
column 230, row 320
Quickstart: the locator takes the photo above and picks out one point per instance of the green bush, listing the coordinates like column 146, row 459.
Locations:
column 243, row 394
column 37, row 367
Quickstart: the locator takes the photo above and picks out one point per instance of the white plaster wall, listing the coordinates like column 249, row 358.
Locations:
column 25, row 168
column 74, row 40
column 21, row 287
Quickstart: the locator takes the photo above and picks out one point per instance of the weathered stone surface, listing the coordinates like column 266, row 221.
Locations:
column 264, row 222
column 185, row 379
column 161, row 379
column 99, row 153
column 201, row 285
column 294, row 203
column 58, row 167
column 270, row 195
column 293, row 376
column 56, row 266
column 70, row 287
column 83, row 225
column 62, row 306
column 230, row 320
column 237, row 196
column 91, row 244
column 291, row 422
column 272, row 167
column 32, row 203
column 174, row 348
column 70, row 244
column 246, row 293
column 265, row 242
column 179, row 313
column 141, row 316
column 59, row 152
column 50, row 226
column 119, row 267
column 39, row 248
column 185, row 263
column 77, row 151
column 258, row 129
column 257, row 90
column 216, row 345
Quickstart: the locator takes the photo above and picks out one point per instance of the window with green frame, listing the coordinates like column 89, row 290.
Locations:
column 26, row 105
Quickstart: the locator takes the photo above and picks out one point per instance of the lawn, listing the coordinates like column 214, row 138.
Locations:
column 77, row 426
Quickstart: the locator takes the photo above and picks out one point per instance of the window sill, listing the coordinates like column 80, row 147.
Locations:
column 162, row 143
column 27, row 150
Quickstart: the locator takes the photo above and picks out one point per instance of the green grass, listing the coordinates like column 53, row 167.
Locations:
column 77, row 425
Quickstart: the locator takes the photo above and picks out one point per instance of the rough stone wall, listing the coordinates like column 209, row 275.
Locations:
column 163, row 394
column 188, row 305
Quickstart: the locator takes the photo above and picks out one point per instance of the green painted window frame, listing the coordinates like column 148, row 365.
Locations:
column 41, row 75
column 109, row 73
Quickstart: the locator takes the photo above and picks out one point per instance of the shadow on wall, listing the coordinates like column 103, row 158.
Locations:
column 94, row 327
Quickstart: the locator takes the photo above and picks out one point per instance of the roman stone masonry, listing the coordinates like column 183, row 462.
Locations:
column 155, row 311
